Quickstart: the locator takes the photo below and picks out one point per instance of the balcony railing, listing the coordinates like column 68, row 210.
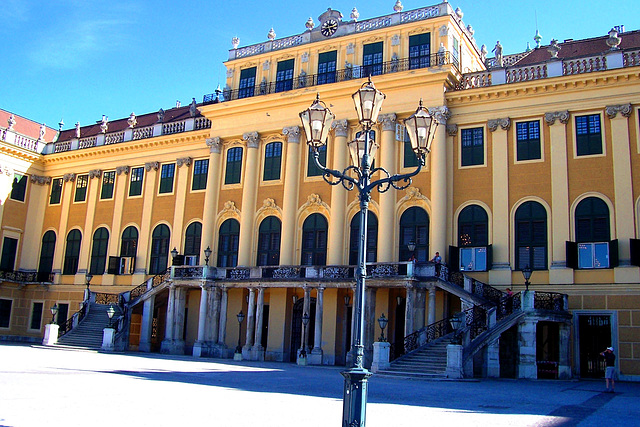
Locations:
column 26, row 277
column 355, row 72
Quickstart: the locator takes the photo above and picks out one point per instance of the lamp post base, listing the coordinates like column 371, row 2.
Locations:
column 354, row 409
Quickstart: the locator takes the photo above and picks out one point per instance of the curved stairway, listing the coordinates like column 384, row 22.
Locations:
column 88, row 333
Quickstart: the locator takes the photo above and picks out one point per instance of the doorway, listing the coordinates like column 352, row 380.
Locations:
column 296, row 328
column 594, row 332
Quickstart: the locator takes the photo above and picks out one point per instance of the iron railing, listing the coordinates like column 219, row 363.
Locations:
column 27, row 276
column 551, row 301
column 76, row 318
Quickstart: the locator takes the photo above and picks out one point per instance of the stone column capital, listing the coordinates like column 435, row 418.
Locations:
column 441, row 114
column 95, row 173
column 504, row 123
column 452, row 130
column 214, row 144
column 252, row 138
column 183, row 161
column 563, row 116
column 40, row 180
column 151, row 165
column 340, row 128
column 122, row 169
column 292, row 133
column 388, row 121
column 613, row 110
column 69, row 177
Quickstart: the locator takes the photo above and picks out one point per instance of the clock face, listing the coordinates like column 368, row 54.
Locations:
column 329, row 27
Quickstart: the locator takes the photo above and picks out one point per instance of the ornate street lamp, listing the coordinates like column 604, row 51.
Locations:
column 240, row 317
column 305, row 322
column 88, row 277
column 174, row 253
column 456, row 322
column 526, row 272
column 54, row 311
column 382, row 321
column 110, row 312
column 316, row 122
column 207, row 254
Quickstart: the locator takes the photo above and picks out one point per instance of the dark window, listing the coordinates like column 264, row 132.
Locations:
column 588, row 135
column 531, row 236
column 192, row 239
column 372, row 59
column 47, row 250
column 372, row 239
column 234, row 166
column 414, row 227
column 5, row 312
column 455, row 52
column 410, row 158
column 99, row 251
column 36, row 316
column 272, row 160
column 200, row 171
column 72, row 252
column 9, row 248
column 528, row 140
column 284, row 75
column 228, row 243
column 592, row 233
column 312, row 168
column 82, row 181
column 473, row 227
column 166, row 178
column 419, row 50
column 129, row 245
column 159, row 249
column 19, row 187
column 314, row 240
column 472, row 146
column 135, row 184
column 56, row 191
column 269, row 241
column 247, row 82
column 327, row 67
column 108, row 181
column 63, row 313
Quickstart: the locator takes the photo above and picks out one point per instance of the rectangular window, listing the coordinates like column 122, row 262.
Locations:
column 135, row 183
column 36, row 316
column 327, row 67
column 234, row 166
column 472, row 146
column 410, row 158
column 247, row 83
column 56, row 191
column 19, row 188
column 455, row 52
column 82, row 181
column 588, row 135
column 372, row 59
column 284, row 75
column 272, row 158
column 473, row 259
column 166, row 178
column 9, row 249
column 312, row 168
column 5, row 312
column 593, row 255
column 419, row 50
column 528, row 140
column 200, row 171
column 108, row 181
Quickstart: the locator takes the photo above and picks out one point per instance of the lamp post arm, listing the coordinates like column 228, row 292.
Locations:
column 347, row 181
column 385, row 183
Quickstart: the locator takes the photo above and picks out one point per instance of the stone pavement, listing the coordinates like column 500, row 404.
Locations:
column 46, row 387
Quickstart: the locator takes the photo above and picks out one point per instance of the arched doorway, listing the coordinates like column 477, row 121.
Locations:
column 296, row 328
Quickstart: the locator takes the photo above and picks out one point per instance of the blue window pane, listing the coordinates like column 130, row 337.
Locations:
column 601, row 259
column 585, row 255
column 481, row 259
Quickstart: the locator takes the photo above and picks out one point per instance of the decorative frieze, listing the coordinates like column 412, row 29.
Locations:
column 95, row 173
column 613, row 110
column 413, row 194
column 388, row 121
column 504, row 123
column 183, row 161
column 563, row 116
column 452, row 130
column 340, row 128
column 252, row 138
column 214, row 144
column 315, row 203
column 122, row 169
column 395, row 40
column 40, row 180
column 69, row 177
column 151, row 165
column 292, row 133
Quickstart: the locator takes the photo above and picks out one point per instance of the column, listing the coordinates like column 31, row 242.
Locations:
column 290, row 195
column 87, row 235
column 146, row 327
column 249, row 194
column 409, row 309
column 316, row 353
column 119, row 196
column 623, row 190
column 387, row 216
column 211, row 194
column 181, row 189
column 501, row 270
column 202, row 322
column 167, row 343
column 335, row 248
column 179, row 311
column 306, row 309
column 420, row 304
column 439, row 163
column 527, row 367
column 213, row 316
column 370, row 324
column 251, row 324
column 564, row 362
column 32, row 236
column 142, row 260
column 257, row 349
column 557, row 122
column 432, row 305
column 222, row 327
column 452, row 131
column 493, row 359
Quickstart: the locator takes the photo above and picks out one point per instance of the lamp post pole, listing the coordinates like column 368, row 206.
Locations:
column 316, row 122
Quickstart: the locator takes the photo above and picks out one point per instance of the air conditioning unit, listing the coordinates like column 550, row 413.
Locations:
column 127, row 264
column 191, row 260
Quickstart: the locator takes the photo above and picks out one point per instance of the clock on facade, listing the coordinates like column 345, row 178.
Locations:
column 329, row 27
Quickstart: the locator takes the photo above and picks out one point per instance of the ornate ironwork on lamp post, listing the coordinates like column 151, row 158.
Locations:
column 305, row 322
column 316, row 122
column 240, row 317
column 526, row 272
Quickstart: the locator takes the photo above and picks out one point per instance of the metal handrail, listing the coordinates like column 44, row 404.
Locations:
column 67, row 325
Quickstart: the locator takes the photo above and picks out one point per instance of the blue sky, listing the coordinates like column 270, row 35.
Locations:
column 80, row 59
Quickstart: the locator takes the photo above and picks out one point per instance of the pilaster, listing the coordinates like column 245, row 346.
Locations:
column 257, row 351
column 527, row 367
column 493, row 359
column 337, row 228
column 251, row 325
column 87, row 238
column 290, row 196
column 211, row 196
column 249, row 194
column 432, row 305
column 35, row 217
column 180, row 190
column 151, row 172
column 438, row 168
column 202, row 323
column 316, row 353
column 387, row 214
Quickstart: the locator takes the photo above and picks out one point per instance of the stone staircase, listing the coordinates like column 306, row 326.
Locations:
column 88, row 333
column 429, row 362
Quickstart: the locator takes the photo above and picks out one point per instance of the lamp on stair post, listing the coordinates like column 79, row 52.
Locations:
column 110, row 312
column 382, row 322
column 526, row 272
column 54, row 311
column 240, row 317
column 361, row 176
column 456, row 322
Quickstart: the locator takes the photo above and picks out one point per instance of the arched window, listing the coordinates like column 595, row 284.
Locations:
column 531, row 236
column 269, row 241
column 372, row 238
column 99, row 251
column 192, row 239
column 474, row 252
column 228, row 243
column 272, row 160
column 159, row 249
column 314, row 240
column 129, row 245
column 46, row 256
column 592, row 248
column 414, row 227
column 72, row 252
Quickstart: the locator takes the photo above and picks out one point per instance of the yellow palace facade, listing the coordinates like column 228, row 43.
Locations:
column 534, row 166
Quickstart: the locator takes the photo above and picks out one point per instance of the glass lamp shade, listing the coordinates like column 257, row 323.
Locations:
column 207, row 252
column 368, row 102
column 382, row 322
column 456, row 321
column 110, row 311
column 174, row 253
column 54, row 309
column 526, row 272
column 305, row 319
column 361, row 145
column 421, row 127
column 411, row 245
column 316, row 122
column 240, row 316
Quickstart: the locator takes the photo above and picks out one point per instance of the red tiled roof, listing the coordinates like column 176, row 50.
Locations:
column 26, row 127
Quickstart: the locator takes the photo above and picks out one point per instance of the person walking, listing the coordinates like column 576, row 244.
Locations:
column 610, row 372
column 437, row 260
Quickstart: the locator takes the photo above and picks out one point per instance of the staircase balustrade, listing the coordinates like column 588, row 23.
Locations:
column 73, row 321
column 551, row 301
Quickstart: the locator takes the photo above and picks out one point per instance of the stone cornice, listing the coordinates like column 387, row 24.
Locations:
column 504, row 123
column 613, row 110
column 562, row 116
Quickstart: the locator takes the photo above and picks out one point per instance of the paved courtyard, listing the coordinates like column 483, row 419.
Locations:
column 52, row 387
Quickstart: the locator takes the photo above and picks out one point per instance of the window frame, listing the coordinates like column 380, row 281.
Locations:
column 419, row 60
column 233, row 167
column 7, row 317
column 133, row 174
column 270, row 228
column 166, row 184
column 6, row 239
column 228, row 239
column 158, row 241
column 71, row 259
column 531, row 220
column 99, row 251
column 318, row 233
column 31, row 315
column 314, row 171
column 517, row 142
column 106, row 186
column 272, row 165
column 328, row 60
column 46, row 257
column 284, row 75
column 199, row 178
column 57, row 185
column 81, row 187
column 19, row 187
column 474, row 149
column 373, row 58
column 247, row 82
column 577, row 138
column 414, row 224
